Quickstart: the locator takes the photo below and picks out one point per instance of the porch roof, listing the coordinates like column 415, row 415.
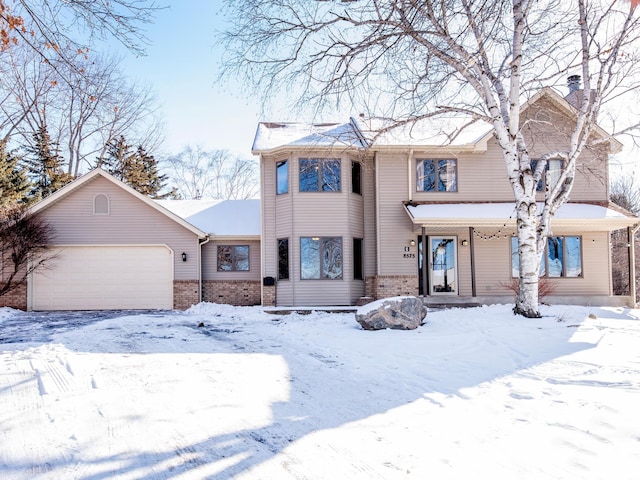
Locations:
column 574, row 216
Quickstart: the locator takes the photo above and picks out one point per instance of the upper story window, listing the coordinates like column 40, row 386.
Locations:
column 437, row 175
column 356, row 177
column 320, row 175
column 101, row 205
column 282, row 177
column 563, row 257
column 321, row 258
column 551, row 175
column 233, row 258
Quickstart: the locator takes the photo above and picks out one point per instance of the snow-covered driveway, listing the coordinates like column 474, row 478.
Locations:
column 474, row 393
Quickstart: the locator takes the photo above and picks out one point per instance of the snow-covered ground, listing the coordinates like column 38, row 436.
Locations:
column 473, row 394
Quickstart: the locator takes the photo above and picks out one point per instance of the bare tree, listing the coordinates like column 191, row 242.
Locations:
column 624, row 192
column 23, row 246
column 408, row 60
column 62, row 31
column 83, row 113
column 215, row 174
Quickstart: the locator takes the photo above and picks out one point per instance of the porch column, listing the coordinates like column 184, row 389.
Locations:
column 425, row 264
column 632, row 265
column 473, row 263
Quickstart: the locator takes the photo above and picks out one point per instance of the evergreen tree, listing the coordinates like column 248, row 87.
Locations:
column 117, row 158
column 137, row 169
column 45, row 166
column 14, row 183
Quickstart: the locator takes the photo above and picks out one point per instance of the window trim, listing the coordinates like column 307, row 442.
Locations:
column 233, row 259
column 541, row 186
column 319, row 169
column 436, row 173
column 356, row 180
column 286, row 170
column 278, row 252
column 544, row 266
column 358, row 260
column 108, row 204
column 322, row 276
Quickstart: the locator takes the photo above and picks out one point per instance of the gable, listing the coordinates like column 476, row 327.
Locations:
column 128, row 220
column 123, row 191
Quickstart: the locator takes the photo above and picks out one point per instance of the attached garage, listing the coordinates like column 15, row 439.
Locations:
column 103, row 277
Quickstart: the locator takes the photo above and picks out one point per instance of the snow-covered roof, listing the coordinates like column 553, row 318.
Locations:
column 452, row 131
column 448, row 131
column 497, row 214
column 229, row 218
column 272, row 135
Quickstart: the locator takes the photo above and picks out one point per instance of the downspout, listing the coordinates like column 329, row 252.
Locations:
column 377, row 190
column 425, row 262
column 409, row 157
column 207, row 239
column 631, row 233
column 473, row 263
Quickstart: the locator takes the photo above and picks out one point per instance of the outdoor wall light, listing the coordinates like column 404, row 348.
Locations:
column 184, row 256
column 412, row 243
column 464, row 243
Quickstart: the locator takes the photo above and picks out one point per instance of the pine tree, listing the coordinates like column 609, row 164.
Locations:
column 137, row 169
column 14, row 183
column 117, row 158
column 45, row 166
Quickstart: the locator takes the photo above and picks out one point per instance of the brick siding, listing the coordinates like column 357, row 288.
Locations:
column 17, row 298
column 185, row 293
column 385, row 286
column 269, row 296
column 231, row 292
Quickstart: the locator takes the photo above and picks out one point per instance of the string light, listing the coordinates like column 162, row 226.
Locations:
column 499, row 233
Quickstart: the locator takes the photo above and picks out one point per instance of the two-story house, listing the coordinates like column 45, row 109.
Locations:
column 347, row 213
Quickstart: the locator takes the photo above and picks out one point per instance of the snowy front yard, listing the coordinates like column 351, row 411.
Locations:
column 474, row 393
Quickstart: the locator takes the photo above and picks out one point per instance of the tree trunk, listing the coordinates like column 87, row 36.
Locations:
column 527, row 298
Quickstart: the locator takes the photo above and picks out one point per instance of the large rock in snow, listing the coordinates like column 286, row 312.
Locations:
column 401, row 313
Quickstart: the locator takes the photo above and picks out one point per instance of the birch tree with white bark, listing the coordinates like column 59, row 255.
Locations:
column 409, row 60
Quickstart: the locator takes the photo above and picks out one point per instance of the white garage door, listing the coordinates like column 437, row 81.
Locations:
column 106, row 278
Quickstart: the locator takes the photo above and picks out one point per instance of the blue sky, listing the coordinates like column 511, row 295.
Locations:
column 182, row 65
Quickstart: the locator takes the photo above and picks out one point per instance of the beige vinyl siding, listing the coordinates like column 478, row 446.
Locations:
column 493, row 267
column 596, row 269
column 592, row 166
column 320, row 214
column 284, row 228
column 210, row 261
column 369, row 218
column 482, row 177
column 356, row 230
column 311, row 214
column 130, row 222
column 395, row 227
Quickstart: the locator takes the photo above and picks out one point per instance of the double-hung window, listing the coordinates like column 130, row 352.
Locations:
column 320, row 175
column 233, row 258
column 320, row 258
column 437, row 175
column 562, row 257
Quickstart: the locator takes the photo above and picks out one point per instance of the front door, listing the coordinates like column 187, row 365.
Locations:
column 443, row 272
